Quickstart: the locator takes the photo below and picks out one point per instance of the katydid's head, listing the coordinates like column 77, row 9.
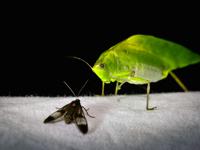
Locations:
column 104, row 67
column 101, row 70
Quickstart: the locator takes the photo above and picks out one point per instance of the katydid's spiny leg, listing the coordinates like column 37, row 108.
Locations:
column 178, row 81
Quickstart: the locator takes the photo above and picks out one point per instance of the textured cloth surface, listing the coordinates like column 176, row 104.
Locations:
column 121, row 122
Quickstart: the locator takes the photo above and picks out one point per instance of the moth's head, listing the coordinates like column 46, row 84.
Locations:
column 76, row 102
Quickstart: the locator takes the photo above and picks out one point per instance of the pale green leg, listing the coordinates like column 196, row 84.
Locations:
column 147, row 104
column 118, row 87
column 102, row 91
column 179, row 81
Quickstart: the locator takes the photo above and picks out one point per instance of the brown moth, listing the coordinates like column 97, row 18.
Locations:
column 72, row 112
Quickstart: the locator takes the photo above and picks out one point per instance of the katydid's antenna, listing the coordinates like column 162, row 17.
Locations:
column 80, row 59
column 79, row 90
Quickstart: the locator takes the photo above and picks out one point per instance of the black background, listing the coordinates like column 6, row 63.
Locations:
column 36, row 38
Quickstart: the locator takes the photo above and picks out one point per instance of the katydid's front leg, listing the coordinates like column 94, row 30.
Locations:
column 147, row 104
column 116, row 88
column 102, row 90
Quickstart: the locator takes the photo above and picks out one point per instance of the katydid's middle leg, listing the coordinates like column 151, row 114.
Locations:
column 147, row 103
column 118, row 87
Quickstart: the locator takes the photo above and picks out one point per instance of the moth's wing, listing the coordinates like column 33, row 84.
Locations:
column 57, row 114
column 80, row 120
column 68, row 116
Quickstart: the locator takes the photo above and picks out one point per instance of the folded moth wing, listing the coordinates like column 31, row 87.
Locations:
column 81, row 121
column 68, row 116
column 57, row 114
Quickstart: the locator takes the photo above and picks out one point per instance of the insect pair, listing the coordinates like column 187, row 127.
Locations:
column 72, row 112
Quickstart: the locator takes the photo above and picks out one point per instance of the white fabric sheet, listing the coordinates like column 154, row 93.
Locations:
column 121, row 122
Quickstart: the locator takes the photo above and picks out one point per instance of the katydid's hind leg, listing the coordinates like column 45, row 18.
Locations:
column 102, row 90
column 147, row 103
column 178, row 81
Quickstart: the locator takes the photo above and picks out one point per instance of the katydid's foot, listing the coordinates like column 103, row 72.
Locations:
column 152, row 108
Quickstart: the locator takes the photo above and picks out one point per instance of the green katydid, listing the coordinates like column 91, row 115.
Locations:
column 142, row 59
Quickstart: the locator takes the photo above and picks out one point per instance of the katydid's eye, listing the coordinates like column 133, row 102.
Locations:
column 102, row 65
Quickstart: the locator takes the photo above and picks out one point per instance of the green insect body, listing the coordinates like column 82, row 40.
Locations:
column 142, row 59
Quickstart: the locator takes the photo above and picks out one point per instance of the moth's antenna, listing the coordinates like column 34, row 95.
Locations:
column 80, row 60
column 82, row 87
column 79, row 90
column 70, row 88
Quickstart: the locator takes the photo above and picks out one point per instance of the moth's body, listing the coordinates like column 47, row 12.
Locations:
column 142, row 59
column 71, row 112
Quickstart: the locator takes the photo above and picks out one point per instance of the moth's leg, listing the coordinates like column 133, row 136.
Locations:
column 118, row 87
column 86, row 110
column 148, row 92
column 178, row 81
column 102, row 91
